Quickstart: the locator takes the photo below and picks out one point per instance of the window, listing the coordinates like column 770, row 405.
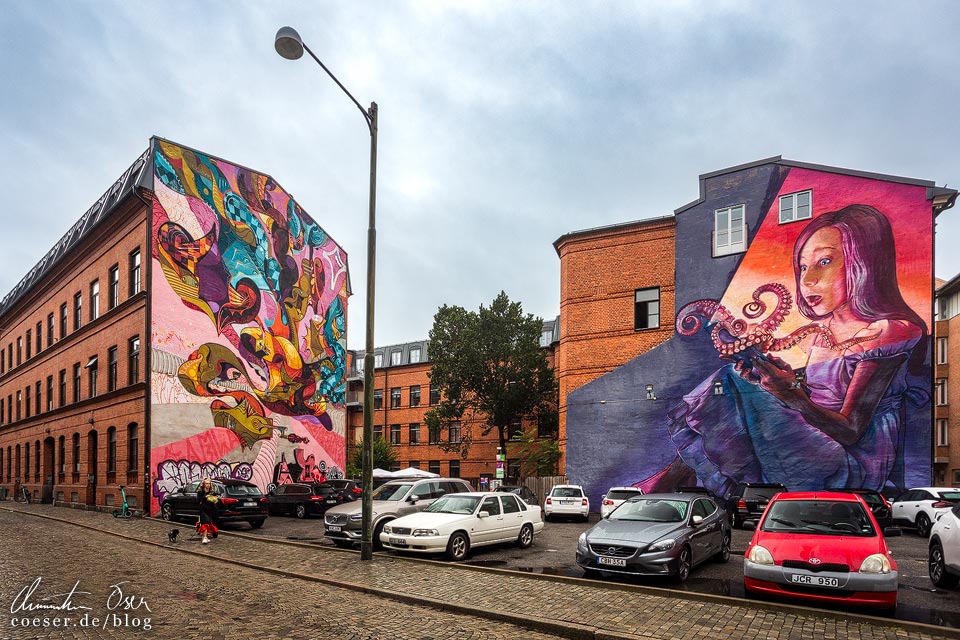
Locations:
column 37, row 399
column 796, row 206
column 29, row 344
column 112, row 369
column 646, row 308
column 546, row 337
column 26, row 404
column 394, row 434
column 63, row 387
column 513, row 468
column 91, row 367
column 454, row 430
column 414, row 395
column 135, row 272
column 491, row 505
column 3, row 360
column 133, row 365
column 943, row 436
column 94, row 300
column 956, row 476
column 414, row 355
column 434, row 466
column 19, row 402
column 941, row 351
column 26, row 460
column 395, row 358
column 39, row 337
column 547, row 425
column 414, row 464
column 76, row 382
column 414, row 433
column 377, row 432
column 434, row 435
column 359, row 362
column 395, row 397
column 729, row 231
column 19, row 350
column 112, row 450
column 378, row 399
column 63, row 321
column 50, row 325
column 49, row 393
column 941, row 391
column 515, row 429
column 76, row 453
column 77, row 310
column 62, row 450
column 114, row 295
column 133, row 442
column 454, row 468
column 10, row 408
column 434, row 394
column 377, row 360
column 3, row 409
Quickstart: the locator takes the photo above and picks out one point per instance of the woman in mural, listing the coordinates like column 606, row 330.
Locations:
column 207, row 497
column 837, row 421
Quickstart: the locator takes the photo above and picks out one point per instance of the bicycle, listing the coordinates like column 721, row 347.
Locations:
column 24, row 495
column 124, row 510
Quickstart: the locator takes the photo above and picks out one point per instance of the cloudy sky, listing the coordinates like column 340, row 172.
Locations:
column 503, row 125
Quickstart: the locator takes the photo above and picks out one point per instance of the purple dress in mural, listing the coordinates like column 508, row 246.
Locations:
column 748, row 435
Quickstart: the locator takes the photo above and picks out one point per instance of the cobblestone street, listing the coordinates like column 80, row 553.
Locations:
column 242, row 587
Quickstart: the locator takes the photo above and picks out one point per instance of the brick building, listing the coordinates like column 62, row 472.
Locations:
column 946, row 428
column 191, row 323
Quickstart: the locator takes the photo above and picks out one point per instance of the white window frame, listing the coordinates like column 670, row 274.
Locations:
column 395, row 358
column 941, row 392
column 728, row 229
column 790, row 206
column 378, row 361
column 943, row 432
column 942, row 350
column 414, row 355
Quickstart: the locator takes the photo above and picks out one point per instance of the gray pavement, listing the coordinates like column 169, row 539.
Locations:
column 244, row 586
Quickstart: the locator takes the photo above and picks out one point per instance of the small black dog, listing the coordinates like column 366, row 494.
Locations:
column 172, row 536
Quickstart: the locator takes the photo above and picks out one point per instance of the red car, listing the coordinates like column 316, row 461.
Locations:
column 821, row 547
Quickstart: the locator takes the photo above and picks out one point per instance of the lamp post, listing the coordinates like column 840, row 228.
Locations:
column 290, row 46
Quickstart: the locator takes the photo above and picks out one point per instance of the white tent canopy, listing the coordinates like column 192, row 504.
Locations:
column 409, row 472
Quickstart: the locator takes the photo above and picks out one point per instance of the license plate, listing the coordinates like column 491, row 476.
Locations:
column 566, row 502
column 612, row 562
column 333, row 528
column 331, row 502
column 399, row 542
column 816, row 581
column 249, row 504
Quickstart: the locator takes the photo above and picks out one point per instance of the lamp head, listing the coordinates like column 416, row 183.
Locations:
column 288, row 43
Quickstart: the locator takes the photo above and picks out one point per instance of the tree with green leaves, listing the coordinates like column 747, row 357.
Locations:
column 490, row 371
column 384, row 457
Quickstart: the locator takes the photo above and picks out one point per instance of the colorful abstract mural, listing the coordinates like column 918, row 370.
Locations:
column 248, row 329
column 804, row 360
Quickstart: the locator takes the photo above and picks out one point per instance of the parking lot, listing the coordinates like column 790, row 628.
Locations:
column 553, row 553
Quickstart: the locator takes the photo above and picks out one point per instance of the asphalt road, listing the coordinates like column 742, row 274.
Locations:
column 553, row 553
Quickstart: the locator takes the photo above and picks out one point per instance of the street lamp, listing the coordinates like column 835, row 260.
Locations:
column 290, row 46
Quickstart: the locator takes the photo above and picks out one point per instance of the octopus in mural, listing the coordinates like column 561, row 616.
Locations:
column 732, row 336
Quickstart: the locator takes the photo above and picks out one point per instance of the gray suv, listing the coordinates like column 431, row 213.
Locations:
column 342, row 524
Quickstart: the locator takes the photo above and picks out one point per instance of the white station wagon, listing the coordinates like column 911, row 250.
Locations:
column 456, row 522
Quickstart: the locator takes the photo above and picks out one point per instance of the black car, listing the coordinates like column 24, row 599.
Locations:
column 877, row 503
column 524, row 493
column 302, row 500
column 240, row 501
column 749, row 500
column 347, row 490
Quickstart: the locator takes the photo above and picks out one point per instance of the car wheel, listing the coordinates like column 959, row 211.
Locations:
column 377, row 530
column 923, row 525
column 525, row 539
column 683, row 565
column 724, row 554
column 458, row 547
column 166, row 512
column 256, row 524
column 343, row 544
column 301, row 511
column 938, row 569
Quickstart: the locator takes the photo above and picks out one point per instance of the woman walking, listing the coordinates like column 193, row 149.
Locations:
column 207, row 495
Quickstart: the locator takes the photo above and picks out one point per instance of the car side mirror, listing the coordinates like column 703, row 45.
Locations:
column 483, row 514
column 750, row 525
column 603, row 497
column 696, row 520
column 892, row 532
column 414, row 499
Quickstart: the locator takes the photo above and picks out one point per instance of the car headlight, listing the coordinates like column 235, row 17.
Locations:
column 387, row 529
column 356, row 517
column 759, row 555
column 877, row 563
column 421, row 533
column 663, row 545
column 582, row 541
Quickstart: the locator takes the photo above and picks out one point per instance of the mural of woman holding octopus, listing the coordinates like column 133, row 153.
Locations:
column 837, row 420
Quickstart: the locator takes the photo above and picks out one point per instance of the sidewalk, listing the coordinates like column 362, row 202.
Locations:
column 563, row 606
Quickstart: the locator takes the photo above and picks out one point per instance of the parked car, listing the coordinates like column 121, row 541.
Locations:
column 343, row 523
column 661, row 534
column 944, row 549
column 566, row 500
column 821, row 547
column 524, row 493
column 301, row 499
column 615, row 496
column 749, row 499
column 240, row 501
column 920, row 507
column 455, row 523
column 877, row 503
column 347, row 490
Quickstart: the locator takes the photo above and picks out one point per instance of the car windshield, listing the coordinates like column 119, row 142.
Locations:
column 622, row 494
column 323, row 490
column 950, row 496
column 872, row 499
column 567, row 492
column 651, row 510
column 454, row 504
column 822, row 517
column 761, row 492
column 393, row 492
column 243, row 490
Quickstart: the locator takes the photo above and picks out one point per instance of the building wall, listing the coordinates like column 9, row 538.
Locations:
column 946, row 452
column 248, row 312
column 684, row 431
column 93, row 477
